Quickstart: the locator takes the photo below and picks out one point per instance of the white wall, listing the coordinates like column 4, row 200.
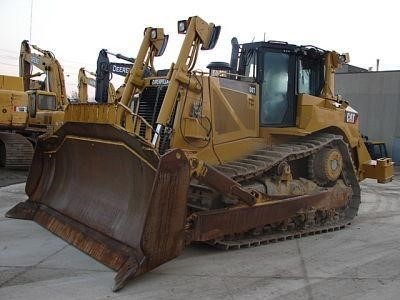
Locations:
column 376, row 96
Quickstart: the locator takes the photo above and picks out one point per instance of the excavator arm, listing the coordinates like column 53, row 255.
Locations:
column 105, row 70
column 84, row 81
column 45, row 61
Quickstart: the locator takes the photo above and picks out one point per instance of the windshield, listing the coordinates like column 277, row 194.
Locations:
column 47, row 102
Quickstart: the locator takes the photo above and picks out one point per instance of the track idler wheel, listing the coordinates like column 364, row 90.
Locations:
column 326, row 166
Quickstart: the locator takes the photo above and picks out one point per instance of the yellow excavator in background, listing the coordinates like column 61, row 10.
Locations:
column 84, row 81
column 29, row 108
column 251, row 152
column 46, row 62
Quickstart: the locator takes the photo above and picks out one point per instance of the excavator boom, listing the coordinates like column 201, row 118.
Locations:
column 45, row 61
column 84, row 81
column 105, row 70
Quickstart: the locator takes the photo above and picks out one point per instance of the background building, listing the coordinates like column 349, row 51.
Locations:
column 376, row 96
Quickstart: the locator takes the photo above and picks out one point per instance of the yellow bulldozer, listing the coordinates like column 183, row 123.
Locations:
column 250, row 152
column 29, row 107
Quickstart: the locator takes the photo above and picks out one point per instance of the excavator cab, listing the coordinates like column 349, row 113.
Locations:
column 41, row 100
column 43, row 110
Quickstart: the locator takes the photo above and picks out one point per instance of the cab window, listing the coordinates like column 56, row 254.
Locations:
column 310, row 76
column 275, row 88
column 47, row 102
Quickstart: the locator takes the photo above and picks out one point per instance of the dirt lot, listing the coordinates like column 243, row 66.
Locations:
column 360, row 262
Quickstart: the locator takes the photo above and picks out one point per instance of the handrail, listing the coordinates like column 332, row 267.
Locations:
column 137, row 120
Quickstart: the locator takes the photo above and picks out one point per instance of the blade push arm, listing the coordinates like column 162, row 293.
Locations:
column 153, row 44
column 198, row 34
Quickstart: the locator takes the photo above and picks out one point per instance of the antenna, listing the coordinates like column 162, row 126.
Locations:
column 264, row 36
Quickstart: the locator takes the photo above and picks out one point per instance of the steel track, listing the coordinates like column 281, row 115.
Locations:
column 256, row 165
column 18, row 151
column 275, row 237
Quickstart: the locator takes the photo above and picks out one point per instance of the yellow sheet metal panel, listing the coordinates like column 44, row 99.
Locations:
column 20, row 109
column 13, row 108
column 11, row 83
column 5, row 108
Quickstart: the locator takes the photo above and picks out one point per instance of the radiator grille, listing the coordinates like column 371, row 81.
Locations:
column 150, row 102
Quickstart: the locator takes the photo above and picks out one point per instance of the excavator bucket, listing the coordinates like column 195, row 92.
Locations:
column 107, row 193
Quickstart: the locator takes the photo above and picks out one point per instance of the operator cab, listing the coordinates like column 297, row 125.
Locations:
column 283, row 71
column 41, row 101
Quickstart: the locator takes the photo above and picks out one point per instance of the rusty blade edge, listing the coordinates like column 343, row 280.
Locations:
column 106, row 250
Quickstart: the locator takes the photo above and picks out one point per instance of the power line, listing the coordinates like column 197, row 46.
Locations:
column 30, row 25
column 7, row 64
column 63, row 61
column 7, row 50
column 8, row 57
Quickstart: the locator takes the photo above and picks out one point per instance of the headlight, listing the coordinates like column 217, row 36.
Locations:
column 153, row 33
column 213, row 39
column 182, row 26
column 164, row 45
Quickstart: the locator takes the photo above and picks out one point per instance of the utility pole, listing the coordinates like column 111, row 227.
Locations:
column 30, row 26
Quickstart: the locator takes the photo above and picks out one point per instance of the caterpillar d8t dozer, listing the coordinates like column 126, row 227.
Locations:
column 252, row 151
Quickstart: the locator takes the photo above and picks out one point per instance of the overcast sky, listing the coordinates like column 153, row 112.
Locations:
column 75, row 30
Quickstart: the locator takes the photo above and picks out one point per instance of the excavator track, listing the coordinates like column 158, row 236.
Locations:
column 16, row 151
column 258, row 164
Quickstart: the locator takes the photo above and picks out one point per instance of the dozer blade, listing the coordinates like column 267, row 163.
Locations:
column 105, row 192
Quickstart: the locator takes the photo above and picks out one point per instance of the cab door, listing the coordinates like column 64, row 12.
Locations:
column 276, row 76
